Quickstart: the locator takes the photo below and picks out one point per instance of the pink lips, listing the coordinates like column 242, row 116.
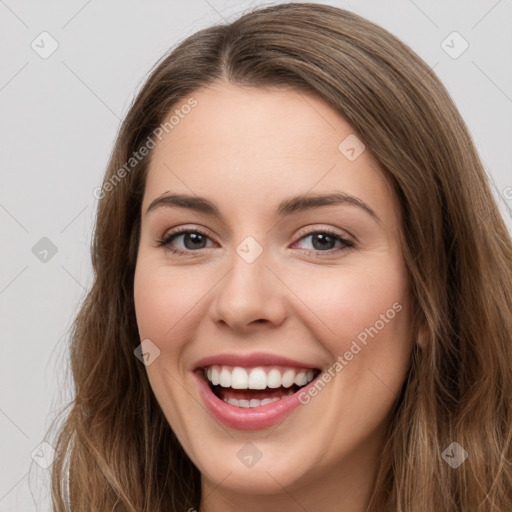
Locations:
column 250, row 360
column 254, row 418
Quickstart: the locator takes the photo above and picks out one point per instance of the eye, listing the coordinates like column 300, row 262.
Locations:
column 325, row 241
column 192, row 239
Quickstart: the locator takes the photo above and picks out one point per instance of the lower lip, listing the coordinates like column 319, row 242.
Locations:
column 253, row 418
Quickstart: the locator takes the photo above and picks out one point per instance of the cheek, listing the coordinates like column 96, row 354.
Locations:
column 362, row 315
column 154, row 301
column 164, row 307
column 165, row 299
column 353, row 299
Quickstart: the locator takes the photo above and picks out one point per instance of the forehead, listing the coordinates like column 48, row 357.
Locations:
column 248, row 148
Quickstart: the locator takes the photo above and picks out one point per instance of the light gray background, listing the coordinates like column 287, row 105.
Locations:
column 60, row 116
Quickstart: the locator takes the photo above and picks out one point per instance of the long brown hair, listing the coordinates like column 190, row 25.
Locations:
column 116, row 450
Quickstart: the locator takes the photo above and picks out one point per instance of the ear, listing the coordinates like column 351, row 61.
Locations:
column 422, row 336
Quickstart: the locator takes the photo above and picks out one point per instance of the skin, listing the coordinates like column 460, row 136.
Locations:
column 246, row 150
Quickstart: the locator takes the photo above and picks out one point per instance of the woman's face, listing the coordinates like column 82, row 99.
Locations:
column 273, row 286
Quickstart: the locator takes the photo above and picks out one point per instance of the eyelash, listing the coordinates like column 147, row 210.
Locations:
column 166, row 240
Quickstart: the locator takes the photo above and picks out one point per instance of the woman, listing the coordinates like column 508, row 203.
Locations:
column 302, row 287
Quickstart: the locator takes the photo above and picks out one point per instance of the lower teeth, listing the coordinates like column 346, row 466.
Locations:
column 249, row 404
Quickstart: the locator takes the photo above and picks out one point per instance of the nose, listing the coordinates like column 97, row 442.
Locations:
column 249, row 295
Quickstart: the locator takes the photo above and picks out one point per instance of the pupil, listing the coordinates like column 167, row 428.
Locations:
column 323, row 238
column 195, row 237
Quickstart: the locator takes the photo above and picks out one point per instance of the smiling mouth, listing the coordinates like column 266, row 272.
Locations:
column 257, row 386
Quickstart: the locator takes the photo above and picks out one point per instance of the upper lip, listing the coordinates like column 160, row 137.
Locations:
column 251, row 360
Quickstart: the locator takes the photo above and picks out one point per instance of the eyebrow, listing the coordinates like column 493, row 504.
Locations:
column 287, row 207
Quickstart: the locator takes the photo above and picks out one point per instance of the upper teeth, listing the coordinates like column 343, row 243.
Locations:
column 257, row 378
